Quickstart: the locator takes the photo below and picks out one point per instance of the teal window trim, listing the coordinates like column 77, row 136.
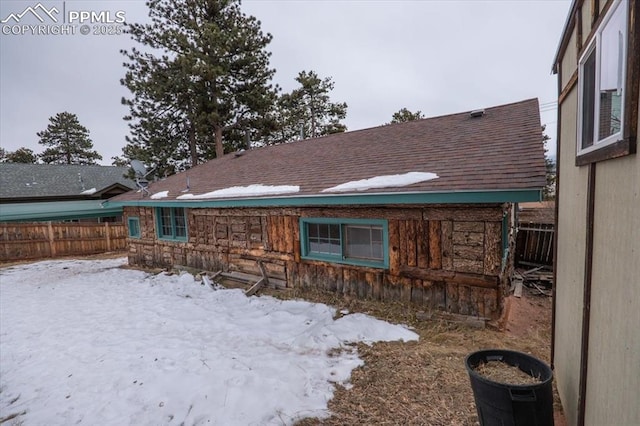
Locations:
column 133, row 224
column 167, row 226
column 306, row 253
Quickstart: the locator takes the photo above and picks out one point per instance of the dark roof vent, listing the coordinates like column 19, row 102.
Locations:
column 476, row 113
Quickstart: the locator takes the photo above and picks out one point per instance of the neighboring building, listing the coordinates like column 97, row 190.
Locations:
column 596, row 344
column 39, row 192
column 418, row 212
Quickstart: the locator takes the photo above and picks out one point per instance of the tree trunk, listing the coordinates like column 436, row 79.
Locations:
column 193, row 149
column 219, row 147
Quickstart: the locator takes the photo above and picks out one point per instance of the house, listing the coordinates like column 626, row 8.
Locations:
column 53, row 192
column 419, row 212
column 596, row 334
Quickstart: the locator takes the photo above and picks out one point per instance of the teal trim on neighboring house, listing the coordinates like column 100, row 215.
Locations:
column 465, row 197
column 133, row 227
column 171, row 223
column 306, row 252
column 56, row 210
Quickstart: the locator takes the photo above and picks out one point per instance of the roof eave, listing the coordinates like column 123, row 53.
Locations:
column 564, row 38
column 449, row 197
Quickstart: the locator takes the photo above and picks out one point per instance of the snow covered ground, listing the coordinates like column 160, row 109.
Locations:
column 87, row 342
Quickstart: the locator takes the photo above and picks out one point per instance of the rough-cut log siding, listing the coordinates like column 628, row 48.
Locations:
column 441, row 258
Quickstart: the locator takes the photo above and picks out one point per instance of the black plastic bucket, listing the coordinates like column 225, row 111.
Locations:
column 502, row 404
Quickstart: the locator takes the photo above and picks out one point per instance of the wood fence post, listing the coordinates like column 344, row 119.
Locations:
column 108, row 234
column 52, row 242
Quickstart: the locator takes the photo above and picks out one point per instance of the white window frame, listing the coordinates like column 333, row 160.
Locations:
column 595, row 45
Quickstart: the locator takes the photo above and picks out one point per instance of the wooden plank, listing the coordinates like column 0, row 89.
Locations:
column 452, row 298
column 475, row 280
column 439, row 293
column 405, row 290
column 464, row 300
column 412, row 250
column 288, row 222
column 492, row 248
column 435, row 245
column 446, row 231
column 107, row 235
column 468, row 238
column 263, row 271
column 463, row 213
column 422, row 244
column 470, row 266
column 517, row 292
column 254, row 288
column 468, row 226
column 394, row 247
column 402, row 230
column 52, row 244
column 468, row 252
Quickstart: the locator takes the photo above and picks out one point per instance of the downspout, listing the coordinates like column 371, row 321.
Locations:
column 586, row 309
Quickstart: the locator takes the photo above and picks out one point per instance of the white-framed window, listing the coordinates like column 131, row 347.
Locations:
column 602, row 77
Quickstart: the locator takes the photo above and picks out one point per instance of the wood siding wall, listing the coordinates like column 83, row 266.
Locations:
column 39, row 240
column 441, row 258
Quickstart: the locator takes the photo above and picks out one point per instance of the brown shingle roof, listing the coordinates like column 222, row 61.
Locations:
column 502, row 150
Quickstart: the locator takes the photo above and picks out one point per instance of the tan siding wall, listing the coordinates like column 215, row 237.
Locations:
column 569, row 60
column 571, row 227
column 613, row 380
column 586, row 20
column 614, row 342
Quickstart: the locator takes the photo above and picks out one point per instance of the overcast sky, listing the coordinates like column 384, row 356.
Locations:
column 439, row 57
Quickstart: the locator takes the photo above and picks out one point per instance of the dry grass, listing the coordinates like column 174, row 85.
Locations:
column 501, row 372
column 424, row 382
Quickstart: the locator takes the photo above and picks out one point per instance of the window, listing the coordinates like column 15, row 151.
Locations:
column 602, row 83
column 172, row 223
column 361, row 242
column 134, row 227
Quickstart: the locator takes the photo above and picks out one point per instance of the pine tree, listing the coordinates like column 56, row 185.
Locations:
column 307, row 112
column 206, row 83
column 549, row 191
column 67, row 140
column 404, row 115
column 21, row 155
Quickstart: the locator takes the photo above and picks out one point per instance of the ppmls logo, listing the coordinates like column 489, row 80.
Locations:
column 39, row 11
column 49, row 21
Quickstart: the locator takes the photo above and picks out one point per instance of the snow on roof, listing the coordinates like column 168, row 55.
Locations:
column 159, row 195
column 244, row 191
column 387, row 181
column 89, row 191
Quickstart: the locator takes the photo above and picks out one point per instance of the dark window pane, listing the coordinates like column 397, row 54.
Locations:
column 165, row 218
column 324, row 238
column 180, row 223
column 312, row 229
column 364, row 242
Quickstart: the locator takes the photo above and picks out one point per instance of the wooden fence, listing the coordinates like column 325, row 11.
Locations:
column 534, row 244
column 46, row 239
